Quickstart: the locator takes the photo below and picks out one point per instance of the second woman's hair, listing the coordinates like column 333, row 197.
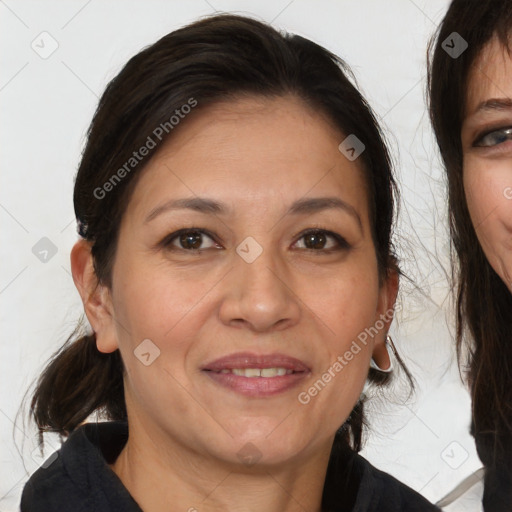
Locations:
column 484, row 303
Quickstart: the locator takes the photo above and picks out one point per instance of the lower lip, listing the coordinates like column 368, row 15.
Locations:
column 257, row 386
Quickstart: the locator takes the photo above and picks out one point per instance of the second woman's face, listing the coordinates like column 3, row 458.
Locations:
column 244, row 283
column 487, row 150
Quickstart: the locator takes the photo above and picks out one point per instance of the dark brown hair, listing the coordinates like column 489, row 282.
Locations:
column 211, row 60
column 484, row 304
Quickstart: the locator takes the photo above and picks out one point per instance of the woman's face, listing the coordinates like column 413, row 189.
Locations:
column 246, row 310
column 487, row 150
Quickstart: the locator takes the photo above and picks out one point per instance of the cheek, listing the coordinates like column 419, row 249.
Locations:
column 350, row 302
column 151, row 303
column 154, row 295
column 348, row 305
column 488, row 189
column 479, row 193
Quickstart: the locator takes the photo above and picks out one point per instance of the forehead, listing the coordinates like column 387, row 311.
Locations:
column 257, row 148
column 255, row 129
column 490, row 75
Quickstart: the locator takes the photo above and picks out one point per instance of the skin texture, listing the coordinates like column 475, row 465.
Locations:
column 257, row 156
column 487, row 165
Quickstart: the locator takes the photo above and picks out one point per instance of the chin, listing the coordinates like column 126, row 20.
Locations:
column 270, row 446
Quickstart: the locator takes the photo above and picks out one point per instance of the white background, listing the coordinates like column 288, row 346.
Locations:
column 47, row 105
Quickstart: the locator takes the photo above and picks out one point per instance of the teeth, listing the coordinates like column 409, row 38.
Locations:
column 272, row 372
column 257, row 372
column 252, row 372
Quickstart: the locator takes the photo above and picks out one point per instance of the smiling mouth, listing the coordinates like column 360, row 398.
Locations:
column 257, row 375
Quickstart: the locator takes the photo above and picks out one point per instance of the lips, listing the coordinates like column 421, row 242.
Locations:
column 245, row 360
column 257, row 375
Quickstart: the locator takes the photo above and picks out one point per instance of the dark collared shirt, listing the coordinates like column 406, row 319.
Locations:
column 79, row 479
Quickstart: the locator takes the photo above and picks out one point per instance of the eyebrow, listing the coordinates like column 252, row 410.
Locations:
column 494, row 104
column 299, row 207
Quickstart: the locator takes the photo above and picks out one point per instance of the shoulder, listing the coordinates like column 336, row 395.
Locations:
column 77, row 477
column 391, row 494
column 353, row 484
column 53, row 483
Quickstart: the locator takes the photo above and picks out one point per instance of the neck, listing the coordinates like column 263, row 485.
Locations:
column 194, row 482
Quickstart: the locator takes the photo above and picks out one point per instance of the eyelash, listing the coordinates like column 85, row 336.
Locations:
column 482, row 136
column 169, row 239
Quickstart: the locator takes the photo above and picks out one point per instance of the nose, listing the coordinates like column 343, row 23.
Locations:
column 260, row 296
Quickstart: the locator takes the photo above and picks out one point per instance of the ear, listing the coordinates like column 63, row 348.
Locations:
column 96, row 297
column 385, row 311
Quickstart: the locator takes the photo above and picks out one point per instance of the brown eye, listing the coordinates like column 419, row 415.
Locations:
column 320, row 240
column 315, row 240
column 190, row 240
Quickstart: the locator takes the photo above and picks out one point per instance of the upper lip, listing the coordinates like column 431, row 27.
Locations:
column 249, row 360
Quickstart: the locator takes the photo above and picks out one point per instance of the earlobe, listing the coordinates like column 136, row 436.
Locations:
column 95, row 296
column 388, row 345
